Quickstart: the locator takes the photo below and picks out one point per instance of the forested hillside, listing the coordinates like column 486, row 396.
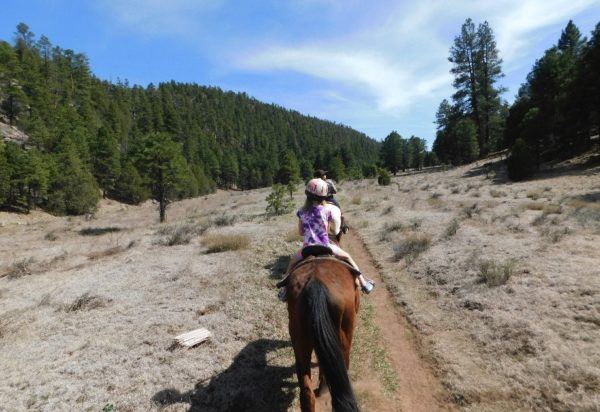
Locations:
column 136, row 142
column 555, row 114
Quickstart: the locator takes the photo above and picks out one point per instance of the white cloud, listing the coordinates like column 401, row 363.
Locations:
column 159, row 17
column 519, row 25
column 402, row 60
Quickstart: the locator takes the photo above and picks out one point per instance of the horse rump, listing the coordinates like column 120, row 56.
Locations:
column 327, row 347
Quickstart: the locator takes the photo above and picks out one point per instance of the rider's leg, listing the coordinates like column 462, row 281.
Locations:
column 365, row 284
column 338, row 251
column 295, row 258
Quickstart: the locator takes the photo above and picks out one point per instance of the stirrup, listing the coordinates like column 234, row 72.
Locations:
column 368, row 287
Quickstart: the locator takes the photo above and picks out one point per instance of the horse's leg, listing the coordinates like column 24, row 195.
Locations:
column 303, row 351
column 322, row 388
column 346, row 331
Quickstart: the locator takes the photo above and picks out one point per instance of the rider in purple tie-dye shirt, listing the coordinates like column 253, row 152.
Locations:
column 313, row 225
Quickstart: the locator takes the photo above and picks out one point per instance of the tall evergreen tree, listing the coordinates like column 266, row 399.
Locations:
column 391, row 152
column 476, row 69
column 489, row 71
column 73, row 189
column 4, row 176
column 165, row 170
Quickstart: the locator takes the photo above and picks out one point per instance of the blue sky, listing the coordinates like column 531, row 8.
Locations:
column 374, row 65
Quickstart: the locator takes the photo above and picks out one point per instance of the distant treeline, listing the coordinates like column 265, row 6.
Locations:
column 131, row 142
column 555, row 113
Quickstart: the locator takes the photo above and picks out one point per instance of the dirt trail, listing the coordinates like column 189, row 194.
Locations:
column 419, row 390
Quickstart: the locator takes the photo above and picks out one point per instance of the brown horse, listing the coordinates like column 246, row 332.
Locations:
column 322, row 304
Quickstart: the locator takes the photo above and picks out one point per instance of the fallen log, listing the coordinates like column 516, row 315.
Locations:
column 193, row 337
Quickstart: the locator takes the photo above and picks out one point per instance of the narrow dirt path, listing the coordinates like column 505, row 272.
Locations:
column 418, row 390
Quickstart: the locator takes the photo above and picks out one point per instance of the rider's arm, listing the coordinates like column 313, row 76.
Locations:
column 332, row 188
column 335, row 223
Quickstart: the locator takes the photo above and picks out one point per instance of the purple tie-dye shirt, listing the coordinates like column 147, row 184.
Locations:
column 314, row 224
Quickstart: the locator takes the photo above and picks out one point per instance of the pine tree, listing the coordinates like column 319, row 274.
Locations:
column 416, row 149
column 165, row 170
column 464, row 56
column 73, row 189
column 337, row 171
column 277, row 201
column 520, row 162
column 4, row 176
column 391, row 152
column 129, row 187
column 466, row 141
column 106, row 164
column 38, row 178
column 489, row 71
column 289, row 172
column 477, row 67
column 229, row 171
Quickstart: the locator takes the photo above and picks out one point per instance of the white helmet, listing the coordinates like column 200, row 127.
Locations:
column 317, row 187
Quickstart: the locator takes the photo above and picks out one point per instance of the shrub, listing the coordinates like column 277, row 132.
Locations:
column 585, row 212
column 393, row 227
column 493, row 274
column 469, row 211
column 224, row 220
column 369, row 170
column 356, row 199
column 19, row 268
column 387, row 210
column 277, row 201
column 221, row 243
column 51, row 236
column 435, row 200
column 384, row 178
column 552, row 210
column 181, row 234
column 85, row 301
column 555, row 234
column 534, row 206
column 451, row 229
column 521, row 161
column 497, row 193
column 415, row 224
column 412, row 246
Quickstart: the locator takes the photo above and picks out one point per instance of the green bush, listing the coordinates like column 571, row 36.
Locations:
column 521, row 161
column 277, row 201
column 369, row 170
column 384, row 178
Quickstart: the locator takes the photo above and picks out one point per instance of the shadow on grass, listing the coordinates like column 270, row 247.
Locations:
column 592, row 197
column 496, row 171
column 251, row 383
column 98, row 231
column 278, row 267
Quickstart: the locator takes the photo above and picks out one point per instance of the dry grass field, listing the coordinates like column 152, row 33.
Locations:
column 499, row 283
column 501, row 280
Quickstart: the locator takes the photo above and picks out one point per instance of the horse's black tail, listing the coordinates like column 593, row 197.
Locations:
column 328, row 348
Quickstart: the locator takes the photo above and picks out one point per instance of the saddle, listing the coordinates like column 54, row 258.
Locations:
column 313, row 253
